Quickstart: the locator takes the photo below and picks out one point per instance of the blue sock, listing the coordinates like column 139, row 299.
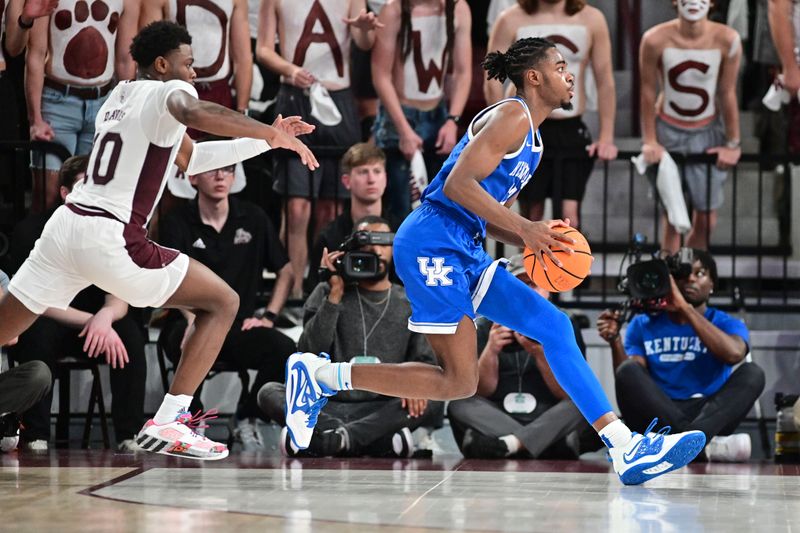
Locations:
column 510, row 302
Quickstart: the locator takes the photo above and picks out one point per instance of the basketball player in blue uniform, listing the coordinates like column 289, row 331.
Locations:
column 450, row 279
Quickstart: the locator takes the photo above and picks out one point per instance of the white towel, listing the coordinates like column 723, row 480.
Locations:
column 419, row 176
column 668, row 183
column 323, row 108
column 777, row 96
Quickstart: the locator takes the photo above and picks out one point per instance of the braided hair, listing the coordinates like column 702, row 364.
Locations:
column 404, row 36
column 524, row 54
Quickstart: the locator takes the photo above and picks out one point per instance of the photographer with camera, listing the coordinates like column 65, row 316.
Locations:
column 357, row 314
column 677, row 362
column 519, row 409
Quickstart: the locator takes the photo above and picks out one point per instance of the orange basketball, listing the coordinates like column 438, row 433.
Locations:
column 575, row 267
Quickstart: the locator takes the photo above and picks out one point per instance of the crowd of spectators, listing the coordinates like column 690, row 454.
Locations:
column 387, row 85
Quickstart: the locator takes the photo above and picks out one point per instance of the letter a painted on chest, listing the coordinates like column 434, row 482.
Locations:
column 308, row 36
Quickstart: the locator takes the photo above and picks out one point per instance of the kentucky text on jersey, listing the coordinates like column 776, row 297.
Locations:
column 510, row 176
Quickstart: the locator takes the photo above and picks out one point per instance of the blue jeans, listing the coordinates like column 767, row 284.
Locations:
column 426, row 124
column 72, row 120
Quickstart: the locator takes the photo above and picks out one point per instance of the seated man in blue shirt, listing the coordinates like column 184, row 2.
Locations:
column 678, row 365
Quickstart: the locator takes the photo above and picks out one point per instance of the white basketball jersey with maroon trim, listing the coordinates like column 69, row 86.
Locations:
column 315, row 38
column 572, row 41
column 690, row 83
column 136, row 140
column 209, row 24
column 82, row 39
column 424, row 68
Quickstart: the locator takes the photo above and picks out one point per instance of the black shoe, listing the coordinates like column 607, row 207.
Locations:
column 479, row 446
column 328, row 443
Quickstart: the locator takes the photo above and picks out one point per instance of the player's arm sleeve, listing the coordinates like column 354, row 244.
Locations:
column 319, row 322
column 212, row 155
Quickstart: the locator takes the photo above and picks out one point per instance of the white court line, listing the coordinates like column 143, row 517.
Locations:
column 421, row 496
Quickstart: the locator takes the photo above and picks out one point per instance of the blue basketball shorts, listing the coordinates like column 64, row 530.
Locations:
column 444, row 269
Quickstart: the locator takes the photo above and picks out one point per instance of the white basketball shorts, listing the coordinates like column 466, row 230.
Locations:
column 80, row 247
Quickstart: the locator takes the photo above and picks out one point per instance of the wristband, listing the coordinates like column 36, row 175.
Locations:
column 269, row 315
column 454, row 118
column 733, row 144
column 23, row 25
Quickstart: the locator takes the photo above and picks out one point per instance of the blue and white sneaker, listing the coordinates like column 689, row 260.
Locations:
column 305, row 396
column 653, row 454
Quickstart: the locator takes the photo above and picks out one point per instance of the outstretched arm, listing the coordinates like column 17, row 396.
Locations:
column 218, row 120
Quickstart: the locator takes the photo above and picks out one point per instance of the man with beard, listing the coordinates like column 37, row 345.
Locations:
column 363, row 322
column 678, row 365
column 696, row 62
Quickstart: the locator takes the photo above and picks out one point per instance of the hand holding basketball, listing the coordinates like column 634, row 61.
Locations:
column 565, row 272
column 543, row 238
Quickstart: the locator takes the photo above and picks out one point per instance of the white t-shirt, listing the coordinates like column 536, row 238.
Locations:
column 136, row 141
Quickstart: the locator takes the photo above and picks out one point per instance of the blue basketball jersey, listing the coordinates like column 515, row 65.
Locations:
column 510, row 176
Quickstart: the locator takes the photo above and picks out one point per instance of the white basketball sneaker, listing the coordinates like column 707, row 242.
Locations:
column 305, row 396
column 653, row 454
column 178, row 438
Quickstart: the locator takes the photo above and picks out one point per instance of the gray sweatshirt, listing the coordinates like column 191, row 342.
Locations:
column 339, row 329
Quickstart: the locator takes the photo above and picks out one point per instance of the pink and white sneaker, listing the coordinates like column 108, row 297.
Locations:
column 178, row 438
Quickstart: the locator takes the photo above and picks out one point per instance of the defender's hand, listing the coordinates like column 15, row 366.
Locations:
column 539, row 237
column 293, row 125
column 283, row 140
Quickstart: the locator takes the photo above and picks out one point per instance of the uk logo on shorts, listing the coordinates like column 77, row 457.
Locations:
column 436, row 274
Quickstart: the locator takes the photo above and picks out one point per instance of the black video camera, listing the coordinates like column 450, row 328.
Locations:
column 647, row 282
column 357, row 265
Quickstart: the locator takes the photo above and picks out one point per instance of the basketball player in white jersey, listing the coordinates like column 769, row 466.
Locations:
column 581, row 35
column 784, row 23
column 221, row 33
column 70, row 68
column 420, row 101
column 315, row 39
column 696, row 62
column 99, row 238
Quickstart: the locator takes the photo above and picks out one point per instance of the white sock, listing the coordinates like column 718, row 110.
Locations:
column 616, row 434
column 335, row 376
column 171, row 407
column 512, row 443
